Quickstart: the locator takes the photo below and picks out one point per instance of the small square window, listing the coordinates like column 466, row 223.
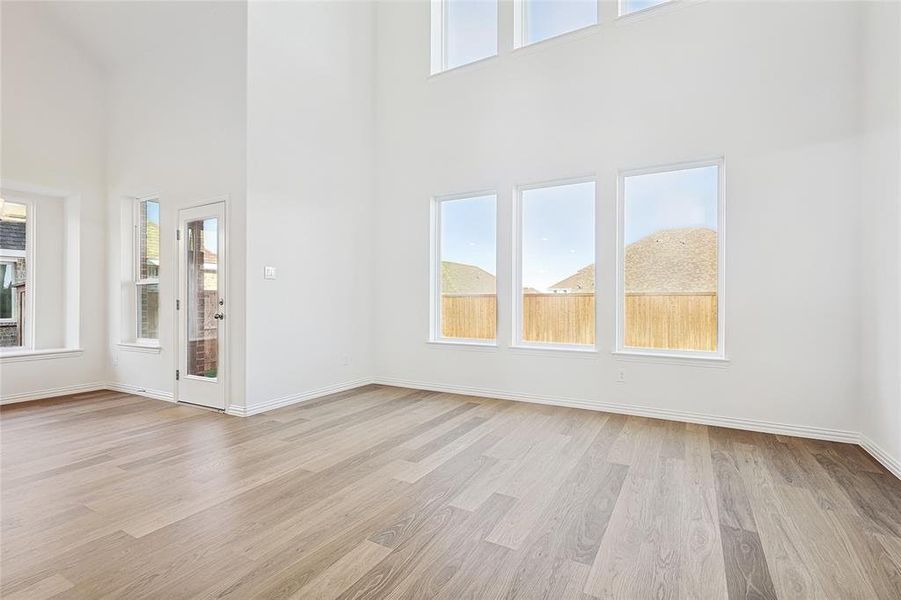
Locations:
column 463, row 32
column 540, row 20
column 627, row 7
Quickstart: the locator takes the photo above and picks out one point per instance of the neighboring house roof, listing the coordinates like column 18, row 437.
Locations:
column 459, row 278
column 12, row 235
column 673, row 260
column 581, row 281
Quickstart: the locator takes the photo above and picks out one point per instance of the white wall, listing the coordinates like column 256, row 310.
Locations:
column 53, row 107
column 177, row 129
column 880, row 198
column 309, row 197
column 755, row 82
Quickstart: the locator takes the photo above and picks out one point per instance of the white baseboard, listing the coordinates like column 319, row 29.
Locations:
column 140, row 391
column 887, row 461
column 260, row 407
column 817, row 433
column 51, row 392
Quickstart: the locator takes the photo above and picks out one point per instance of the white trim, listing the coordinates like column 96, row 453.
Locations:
column 619, row 346
column 819, row 433
column 139, row 347
column 465, row 344
column 664, row 358
column 51, row 393
column 556, row 350
column 30, row 355
column 435, row 267
column 140, row 391
column 892, row 464
column 516, row 240
column 267, row 405
column 883, row 457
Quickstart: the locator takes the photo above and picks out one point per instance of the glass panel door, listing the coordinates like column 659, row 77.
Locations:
column 202, row 368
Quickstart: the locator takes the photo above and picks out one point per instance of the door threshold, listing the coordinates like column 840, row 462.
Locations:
column 201, row 406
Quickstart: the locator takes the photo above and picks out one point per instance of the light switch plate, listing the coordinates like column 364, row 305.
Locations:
column 268, row 272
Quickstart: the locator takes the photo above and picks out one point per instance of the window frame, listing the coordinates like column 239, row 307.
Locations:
column 6, row 258
column 620, row 348
column 521, row 18
column 517, row 339
column 137, row 282
column 438, row 41
column 435, row 336
column 28, row 321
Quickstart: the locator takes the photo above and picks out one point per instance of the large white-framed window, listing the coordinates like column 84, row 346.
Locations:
column 16, row 274
column 555, row 253
column 463, row 274
column 463, row 32
column 671, row 260
column 538, row 20
column 146, row 270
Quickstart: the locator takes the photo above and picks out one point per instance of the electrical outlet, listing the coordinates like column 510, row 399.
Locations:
column 621, row 376
column 345, row 360
column 268, row 272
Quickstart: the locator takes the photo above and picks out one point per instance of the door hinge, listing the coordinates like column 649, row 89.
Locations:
column 177, row 374
column 177, row 304
column 178, row 234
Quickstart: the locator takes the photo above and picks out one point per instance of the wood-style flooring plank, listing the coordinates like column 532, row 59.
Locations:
column 383, row 492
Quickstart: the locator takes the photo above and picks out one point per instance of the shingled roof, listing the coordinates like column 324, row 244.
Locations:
column 12, row 235
column 671, row 260
column 459, row 278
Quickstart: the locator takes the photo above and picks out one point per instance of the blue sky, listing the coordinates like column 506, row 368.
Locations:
column 469, row 231
column 670, row 200
column 557, row 233
column 153, row 212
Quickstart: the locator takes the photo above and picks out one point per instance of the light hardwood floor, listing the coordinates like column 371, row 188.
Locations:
column 384, row 492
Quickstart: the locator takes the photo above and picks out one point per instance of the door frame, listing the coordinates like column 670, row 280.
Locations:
column 224, row 363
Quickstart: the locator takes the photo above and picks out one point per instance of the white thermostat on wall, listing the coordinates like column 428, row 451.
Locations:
column 268, row 272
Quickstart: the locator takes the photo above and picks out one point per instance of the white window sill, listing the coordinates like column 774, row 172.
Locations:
column 656, row 9
column 136, row 347
column 479, row 62
column 559, row 350
column 672, row 359
column 13, row 356
column 566, row 36
column 484, row 346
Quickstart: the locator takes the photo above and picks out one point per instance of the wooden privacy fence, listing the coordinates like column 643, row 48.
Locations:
column 685, row 321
